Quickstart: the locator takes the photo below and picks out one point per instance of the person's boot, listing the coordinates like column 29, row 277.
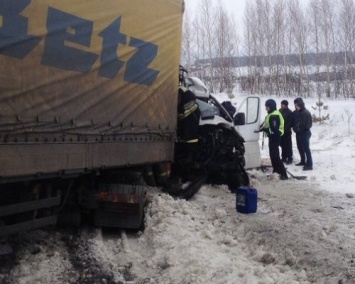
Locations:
column 283, row 177
column 300, row 164
column 307, row 168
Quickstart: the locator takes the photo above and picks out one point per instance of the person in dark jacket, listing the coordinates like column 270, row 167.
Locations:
column 229, row 108
column 302, row 128
column 286, row 139
column 298, row 140
column 187, row 125
column 273, row 126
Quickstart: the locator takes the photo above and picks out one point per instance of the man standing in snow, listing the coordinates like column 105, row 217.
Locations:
column 286, row 139
column 302, row 127
column 273, row 126
column 298, row 140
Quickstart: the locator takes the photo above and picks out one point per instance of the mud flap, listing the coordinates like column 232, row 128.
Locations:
column 121, row 206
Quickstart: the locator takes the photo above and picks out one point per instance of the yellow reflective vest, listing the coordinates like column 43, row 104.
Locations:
column 267, row 122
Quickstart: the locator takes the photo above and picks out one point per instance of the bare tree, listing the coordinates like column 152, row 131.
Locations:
column 210, row 40
column 208, row 21
column 257, row 29
column 327, row 35
column 314, row 23
column 269, row 41
column 349, row 116
column 187, row 42
column 260, row 42
column 299, row 32
column 235, row 51
column 224, row 49
column 346, row 35
column 200, row 51
column 278, row 36
column 279, row 22
column 250, row 82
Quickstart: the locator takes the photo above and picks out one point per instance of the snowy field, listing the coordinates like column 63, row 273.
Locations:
column 303, row 231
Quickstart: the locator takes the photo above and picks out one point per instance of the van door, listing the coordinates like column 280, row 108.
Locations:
column 250, row 106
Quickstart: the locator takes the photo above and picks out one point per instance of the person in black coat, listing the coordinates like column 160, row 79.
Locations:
column 298, row 140
column 286, row 139
column 302, row 127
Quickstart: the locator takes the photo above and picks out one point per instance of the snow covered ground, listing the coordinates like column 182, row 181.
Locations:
column 303, row 231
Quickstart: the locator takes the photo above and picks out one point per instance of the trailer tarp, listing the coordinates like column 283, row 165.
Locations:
column 94, row 66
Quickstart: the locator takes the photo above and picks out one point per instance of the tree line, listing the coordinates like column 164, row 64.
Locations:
column 282, row 47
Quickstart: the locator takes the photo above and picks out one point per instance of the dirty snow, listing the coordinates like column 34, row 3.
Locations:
column 303, row 231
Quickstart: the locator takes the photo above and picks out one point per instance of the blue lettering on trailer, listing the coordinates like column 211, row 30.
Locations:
column 14, row 39
column 110, row 64
column 62, row 28
column 137, row 71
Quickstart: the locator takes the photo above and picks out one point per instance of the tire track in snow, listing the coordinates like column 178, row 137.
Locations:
column 88, row 268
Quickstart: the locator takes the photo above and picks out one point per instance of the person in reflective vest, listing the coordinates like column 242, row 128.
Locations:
column 273, row 128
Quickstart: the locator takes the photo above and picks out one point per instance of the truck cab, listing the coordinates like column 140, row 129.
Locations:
column 246, row 119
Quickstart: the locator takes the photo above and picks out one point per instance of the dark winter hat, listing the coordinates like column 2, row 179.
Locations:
column 298, row 100
column 271, row 104
column 284, row 102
